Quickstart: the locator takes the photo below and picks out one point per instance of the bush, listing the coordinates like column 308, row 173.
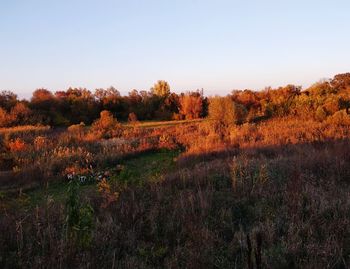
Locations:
column 106, row 126
column 340, row 118
column 320, row 114
column 132, row 118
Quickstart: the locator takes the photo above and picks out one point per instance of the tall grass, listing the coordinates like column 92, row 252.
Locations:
column 269, row 195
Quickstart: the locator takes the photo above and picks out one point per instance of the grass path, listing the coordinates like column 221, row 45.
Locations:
column 155, row 124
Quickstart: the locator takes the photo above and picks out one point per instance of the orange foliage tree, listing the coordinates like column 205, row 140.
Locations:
column 191, row 105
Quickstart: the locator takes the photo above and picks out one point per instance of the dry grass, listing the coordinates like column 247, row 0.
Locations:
column 267, row 195
column 24, row 129
column 155, row 124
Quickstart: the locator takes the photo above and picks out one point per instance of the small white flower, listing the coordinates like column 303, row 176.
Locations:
column 82, row 179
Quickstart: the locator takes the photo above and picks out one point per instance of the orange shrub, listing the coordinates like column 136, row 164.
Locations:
column 17, row 145
column 106, row 126
column 40, row 142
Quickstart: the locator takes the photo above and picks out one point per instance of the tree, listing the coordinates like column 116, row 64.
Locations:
column 221, row 114
column 321, row 88
column 172, row 103
column 332, row 104
column 191, row 105
column 161, row 88
column 20, row 114
column 82, row 104
column 41, row 96
column 3, row 117
column 341, row 81
column 108, row 99
column 7, row 100
column 221, row 111
column 239, row 113
column 44, row 105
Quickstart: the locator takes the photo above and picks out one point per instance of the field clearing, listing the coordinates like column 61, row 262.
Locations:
column 171, row 187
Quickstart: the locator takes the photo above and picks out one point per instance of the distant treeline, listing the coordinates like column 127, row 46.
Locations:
column 75, row 105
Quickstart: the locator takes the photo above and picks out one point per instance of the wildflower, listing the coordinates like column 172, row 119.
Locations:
column 82, row 179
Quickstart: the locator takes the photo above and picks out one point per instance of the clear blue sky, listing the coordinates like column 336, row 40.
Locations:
column 215, row 45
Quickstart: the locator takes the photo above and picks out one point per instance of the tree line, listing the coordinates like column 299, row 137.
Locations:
column 326, row 98
column 75, row 105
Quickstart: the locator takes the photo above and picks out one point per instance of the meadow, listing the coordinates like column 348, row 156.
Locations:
column 264, row 198
column 243, row 187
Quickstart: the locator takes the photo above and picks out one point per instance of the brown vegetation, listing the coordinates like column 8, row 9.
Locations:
column 263, row 182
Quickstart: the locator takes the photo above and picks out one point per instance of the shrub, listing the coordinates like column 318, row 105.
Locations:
column 17, row 145
column 320, row 114
column 106, row 126
column 76, row 128
column 40, row 142
column 106, row 193
column 132, row 118
column 340, row 118
column 79, row 218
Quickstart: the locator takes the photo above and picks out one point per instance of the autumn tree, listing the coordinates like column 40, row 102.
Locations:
column 161, row 88
column 44, row 106
column 110, row 99
column 279, row 102
column 341, row 81
column 321, row 88
column 42, row 98
column 191, row 105
column 221, row 110
column 83, row 107
column 20, row 114
column 7, row 100
column 172, row 104
column 3, row 117
column 225, row 112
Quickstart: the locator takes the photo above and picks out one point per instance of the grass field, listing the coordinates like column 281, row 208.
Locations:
column 179, row 195
column 135, row 171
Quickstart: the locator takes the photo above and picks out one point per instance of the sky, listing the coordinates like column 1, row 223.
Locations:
column 193, row 44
